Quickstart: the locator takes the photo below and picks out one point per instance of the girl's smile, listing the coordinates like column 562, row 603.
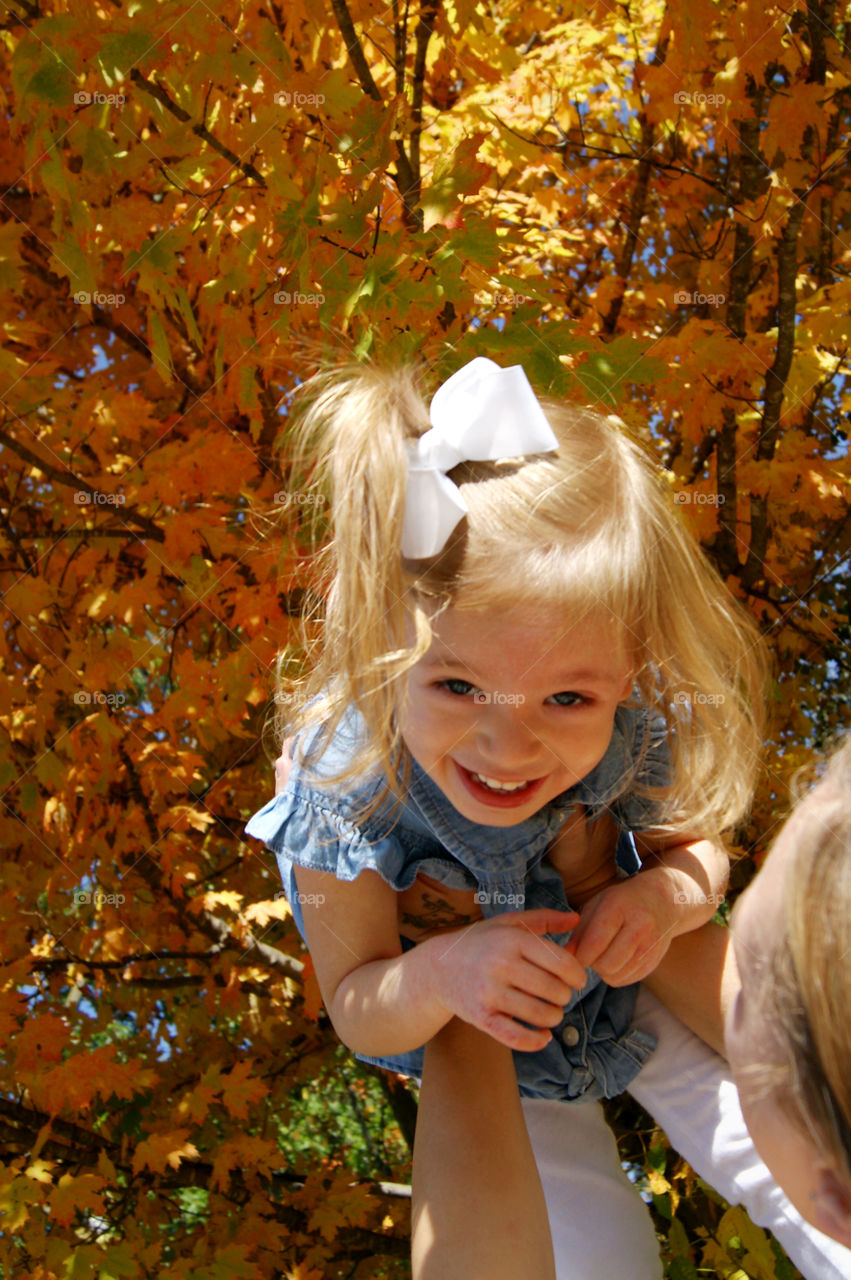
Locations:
column 502, row 794
column 505, row 713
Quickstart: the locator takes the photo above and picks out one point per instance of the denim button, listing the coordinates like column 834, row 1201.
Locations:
column 571, row 1036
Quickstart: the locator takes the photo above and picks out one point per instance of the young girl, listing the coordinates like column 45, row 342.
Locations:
column 531, row 695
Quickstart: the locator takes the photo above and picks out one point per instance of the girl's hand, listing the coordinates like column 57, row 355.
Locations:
column 625, row 931
column 500, row 970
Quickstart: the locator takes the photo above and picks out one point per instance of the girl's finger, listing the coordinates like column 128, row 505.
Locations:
column 548, row 955
column 539, row 1013
column 542, row 920
column 516, row 1036
column 545, row 985
column 595, row 939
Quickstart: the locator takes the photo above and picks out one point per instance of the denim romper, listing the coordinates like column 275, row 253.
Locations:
column 593, row 1052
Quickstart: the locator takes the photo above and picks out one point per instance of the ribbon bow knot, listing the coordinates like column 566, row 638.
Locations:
column 480, row 414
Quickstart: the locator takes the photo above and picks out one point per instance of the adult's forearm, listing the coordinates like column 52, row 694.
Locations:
column 697, row 979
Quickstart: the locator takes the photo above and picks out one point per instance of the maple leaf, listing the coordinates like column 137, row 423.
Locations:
column 73, row 1195
column 343, row 1203
column 161, row 1149
column 240, row 1090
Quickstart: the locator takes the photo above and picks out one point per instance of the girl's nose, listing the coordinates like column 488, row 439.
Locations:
column 505, row 737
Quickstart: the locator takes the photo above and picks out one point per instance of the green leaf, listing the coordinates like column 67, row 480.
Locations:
column 662, row 1205
column 160, row 347
column 681, row 1269
column 121, row 51
column 678, row 1241
column 51, row 83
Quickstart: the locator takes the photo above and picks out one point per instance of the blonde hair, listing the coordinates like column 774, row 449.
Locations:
column 807, row 991
column 588, row 528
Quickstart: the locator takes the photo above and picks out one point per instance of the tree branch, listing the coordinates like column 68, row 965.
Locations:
column 407, row 182
column 775, row 385
column 80, row 1151
column 74, row 482
column 200, row 130
column 214, row 927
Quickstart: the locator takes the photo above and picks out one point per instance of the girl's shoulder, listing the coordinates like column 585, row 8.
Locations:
column 343, row 826
column 637, row 763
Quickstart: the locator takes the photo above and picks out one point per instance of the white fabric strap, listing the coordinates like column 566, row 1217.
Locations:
column 481, row 413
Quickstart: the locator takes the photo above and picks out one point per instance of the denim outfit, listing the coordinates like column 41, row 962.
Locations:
column 593, row 1052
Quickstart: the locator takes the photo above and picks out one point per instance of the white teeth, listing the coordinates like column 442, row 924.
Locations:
column 495, row 785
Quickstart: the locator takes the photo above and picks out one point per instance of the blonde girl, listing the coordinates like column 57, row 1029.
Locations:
column 530, row 695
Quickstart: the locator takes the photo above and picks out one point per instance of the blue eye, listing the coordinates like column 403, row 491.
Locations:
column 567, row 699
column 461, row 688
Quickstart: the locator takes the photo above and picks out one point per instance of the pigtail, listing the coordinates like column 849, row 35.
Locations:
column 369, row 629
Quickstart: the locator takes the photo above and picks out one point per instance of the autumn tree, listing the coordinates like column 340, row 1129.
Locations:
column 645, row 205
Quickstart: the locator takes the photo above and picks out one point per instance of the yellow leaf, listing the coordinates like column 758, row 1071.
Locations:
column 39, row 1170
column 260, row 913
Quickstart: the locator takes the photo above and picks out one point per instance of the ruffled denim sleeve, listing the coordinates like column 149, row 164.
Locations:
column 637, row 763
column 305, row 828
column 638, row 809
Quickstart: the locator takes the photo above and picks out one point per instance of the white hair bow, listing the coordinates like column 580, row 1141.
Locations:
column 481, row 413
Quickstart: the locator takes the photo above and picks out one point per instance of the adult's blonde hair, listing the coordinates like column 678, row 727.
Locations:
column 806, row 986
column 588, row 529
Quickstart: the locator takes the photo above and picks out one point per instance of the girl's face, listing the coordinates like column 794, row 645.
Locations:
column 799, row 1162
column 505, row 712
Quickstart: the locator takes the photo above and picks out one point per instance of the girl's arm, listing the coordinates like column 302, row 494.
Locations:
column 495, row 974
column 626, row 930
